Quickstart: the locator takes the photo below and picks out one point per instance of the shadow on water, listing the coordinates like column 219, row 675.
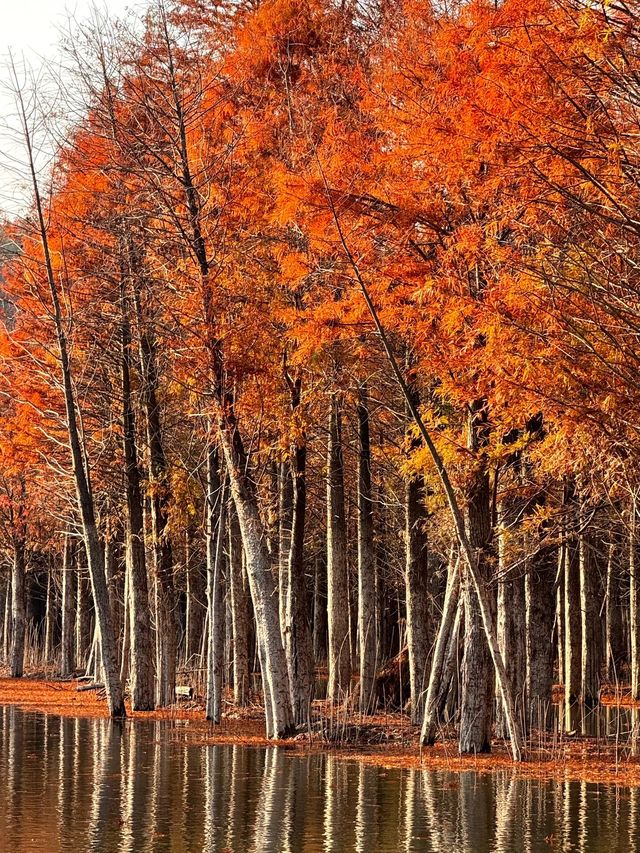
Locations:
column 80, row 784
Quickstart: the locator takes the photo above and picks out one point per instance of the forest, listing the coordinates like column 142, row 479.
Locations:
column 319, row 360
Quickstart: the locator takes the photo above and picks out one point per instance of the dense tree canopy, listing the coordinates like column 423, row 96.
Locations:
column 388, row 251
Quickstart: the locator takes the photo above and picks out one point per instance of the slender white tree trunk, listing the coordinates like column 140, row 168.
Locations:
column 238, row 588
column 216, row 511
column 18, row 604
column 367, row 628
column 436, row 677
column 67, row 660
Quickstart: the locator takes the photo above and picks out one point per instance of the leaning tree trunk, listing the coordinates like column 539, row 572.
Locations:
column 18, row 605
column 337, row 579
column 67, row 658
column 367, row 631
column 79, row 462
column 511, row 606
column 216, row 511
column 438, row 680
column 113, row 686
column 243, row 489
column 141, row 672
column 472, row 559
column 275, row 676
column 478, row 677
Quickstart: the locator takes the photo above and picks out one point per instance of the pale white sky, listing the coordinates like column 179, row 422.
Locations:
column 31, row 29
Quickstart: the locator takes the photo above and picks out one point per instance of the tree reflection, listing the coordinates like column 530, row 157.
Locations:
column 71, row 785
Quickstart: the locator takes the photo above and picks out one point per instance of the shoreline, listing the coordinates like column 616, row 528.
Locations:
column 385, row 740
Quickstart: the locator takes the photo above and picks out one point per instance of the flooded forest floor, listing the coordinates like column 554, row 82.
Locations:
column 385, row 739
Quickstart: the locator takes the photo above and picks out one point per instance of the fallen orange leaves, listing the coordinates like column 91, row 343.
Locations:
column 385, row 740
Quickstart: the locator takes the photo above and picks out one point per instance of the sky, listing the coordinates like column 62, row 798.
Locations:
column 31, row 29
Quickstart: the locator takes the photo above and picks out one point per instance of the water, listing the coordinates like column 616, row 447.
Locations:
column 89, row 785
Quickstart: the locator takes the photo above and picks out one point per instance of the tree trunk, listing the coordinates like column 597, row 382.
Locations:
column 478, row 676
column 69, row 575
column 449, row 694
column 337, row 580
column 634, row 600
column 141, row 673
column 560, row 615
column 4, row 587
column 298, row 641
column 275, row 677
column 614, row 633
column 367, row 632
column 285, row 525
column 511, row 614
column 83, row 616
column 50, row 615
column 164, row 591
column 216, row 510
column 591, row 626
column 79, row 461
column 272, row 518
column 319, row 608
column 239, row 612
column 417, row 595
column 511, row 635
column 196, row 597
column 438, row 678
column 572, row 620
column 18, row 618
column 6, row 637
column 125, row 658
column 484, row 596
column 417, row 585
column 165, row 600
column 113, row 687
column 540, row 606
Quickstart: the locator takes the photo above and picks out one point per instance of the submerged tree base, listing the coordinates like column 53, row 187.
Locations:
column 386, row 739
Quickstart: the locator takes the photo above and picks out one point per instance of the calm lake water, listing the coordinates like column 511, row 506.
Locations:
column 89, row 785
